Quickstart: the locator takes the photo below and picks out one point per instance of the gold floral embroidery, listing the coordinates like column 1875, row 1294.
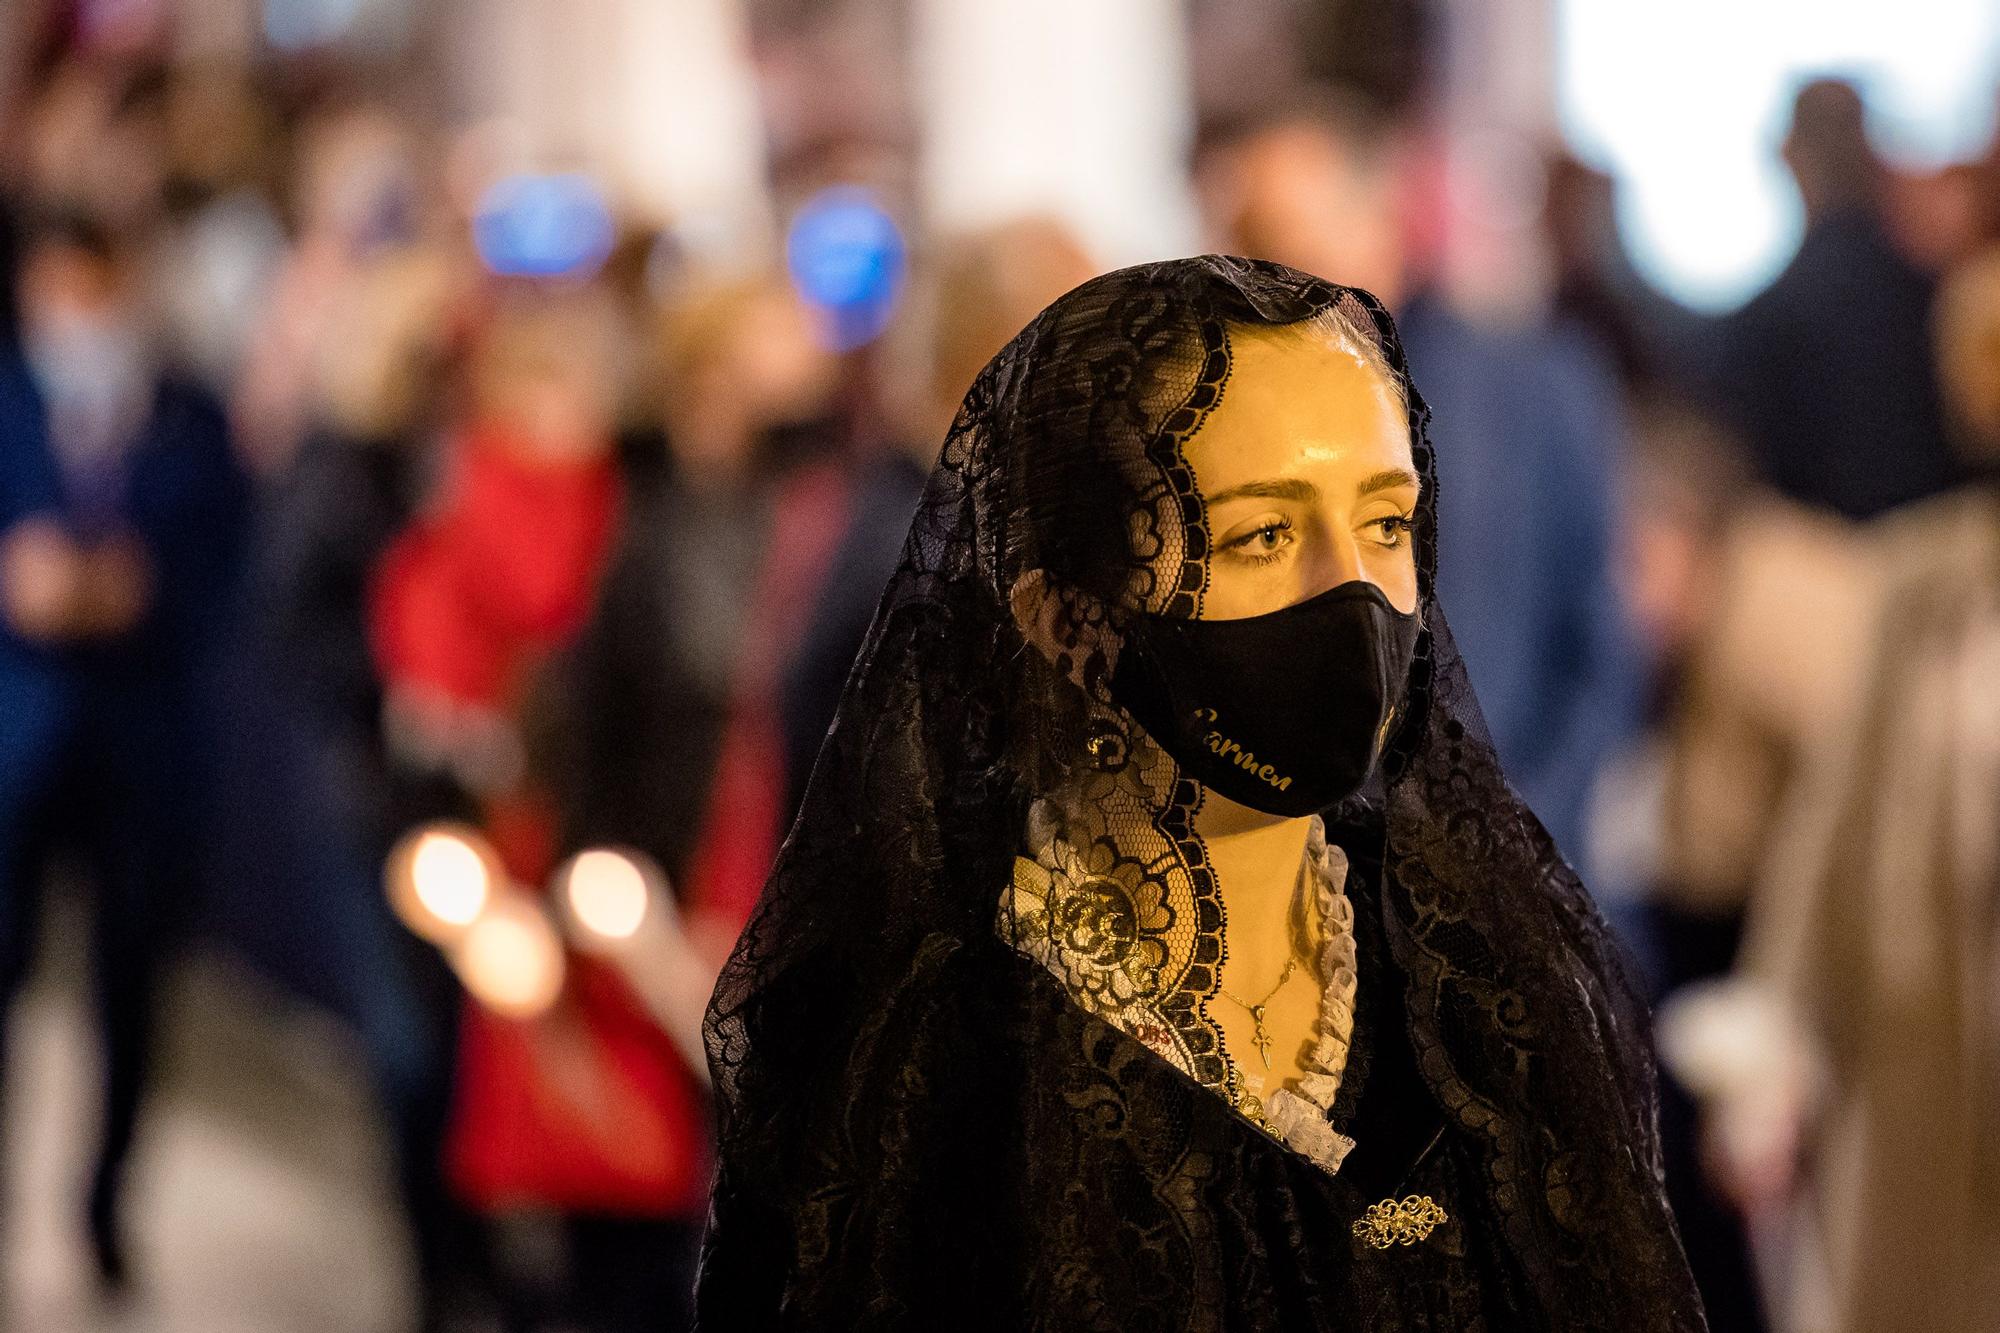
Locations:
column 1100, row 920
column 1119, row 933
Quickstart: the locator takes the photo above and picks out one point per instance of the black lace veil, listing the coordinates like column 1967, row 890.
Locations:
column 921, row 1127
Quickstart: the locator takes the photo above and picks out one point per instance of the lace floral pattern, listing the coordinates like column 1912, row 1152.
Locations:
column 1098, row 922
column 1107, row 904
column 1103, row 926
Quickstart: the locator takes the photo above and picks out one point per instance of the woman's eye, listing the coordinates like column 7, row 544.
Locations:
column 1263, row 544
column 1395, row 529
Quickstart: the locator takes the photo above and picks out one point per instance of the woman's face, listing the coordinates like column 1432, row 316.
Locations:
column 1306, row 473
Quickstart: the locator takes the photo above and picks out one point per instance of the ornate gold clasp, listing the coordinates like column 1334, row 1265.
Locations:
column 1391, row 1222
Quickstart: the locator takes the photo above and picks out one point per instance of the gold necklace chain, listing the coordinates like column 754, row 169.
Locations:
column 1259, row 1036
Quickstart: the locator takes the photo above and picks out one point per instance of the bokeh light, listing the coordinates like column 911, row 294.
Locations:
column 450, row 879
column 440, row 878
column 1690, row 120
column 511, row 959
column 536, row 226
column 847, row 257
column 607, row 894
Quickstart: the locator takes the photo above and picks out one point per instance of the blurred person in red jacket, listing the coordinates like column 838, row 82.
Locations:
column 502, row 570
column 585, row 1115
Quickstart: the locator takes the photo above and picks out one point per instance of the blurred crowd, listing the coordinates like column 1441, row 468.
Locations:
column 361, row 508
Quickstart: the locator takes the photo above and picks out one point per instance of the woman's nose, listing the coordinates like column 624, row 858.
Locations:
column 1339, row 562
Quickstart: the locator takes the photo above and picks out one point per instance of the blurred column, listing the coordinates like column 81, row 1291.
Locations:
column 654, row 96
column 834, row 79
column 691, row 139
column 1498, row 108
column 1500, row 64
column 1079, row 108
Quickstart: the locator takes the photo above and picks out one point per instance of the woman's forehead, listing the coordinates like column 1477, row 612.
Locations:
column 1302, row 406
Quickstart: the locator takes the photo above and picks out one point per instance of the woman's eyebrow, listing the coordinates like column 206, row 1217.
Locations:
column 1388, row 479
column 1278, row 488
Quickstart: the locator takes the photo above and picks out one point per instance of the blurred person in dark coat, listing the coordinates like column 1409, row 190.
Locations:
column 121, row 518
column 296, row 880
column 974, row 293
column 1829, row 373
column 1528, row 420
column 735, row 501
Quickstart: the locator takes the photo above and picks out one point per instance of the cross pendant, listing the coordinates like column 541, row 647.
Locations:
column 1261, row 1037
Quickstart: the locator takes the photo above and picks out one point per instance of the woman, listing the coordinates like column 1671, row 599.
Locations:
column 1066, row 1007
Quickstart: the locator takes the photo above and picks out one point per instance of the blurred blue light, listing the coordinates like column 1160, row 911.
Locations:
column 297, row 25
column 534, row 226
column 847, row 258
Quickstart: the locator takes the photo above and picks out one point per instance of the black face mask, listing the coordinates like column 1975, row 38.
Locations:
column 1283, row 712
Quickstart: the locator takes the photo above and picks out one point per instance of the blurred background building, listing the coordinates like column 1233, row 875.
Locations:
column 450, row 451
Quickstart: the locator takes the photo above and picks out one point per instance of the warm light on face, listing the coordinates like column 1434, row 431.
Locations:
column 510, row 959
column 607, row 894
column 440, row 878
column 1306, row 476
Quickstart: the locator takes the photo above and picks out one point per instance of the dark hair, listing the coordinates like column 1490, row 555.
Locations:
column 1359, row 126
column 1827, row 143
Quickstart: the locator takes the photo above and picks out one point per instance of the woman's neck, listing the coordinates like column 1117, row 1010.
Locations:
column 1256, row 858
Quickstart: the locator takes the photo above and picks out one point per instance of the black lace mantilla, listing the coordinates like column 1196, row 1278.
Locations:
column 921, row 1126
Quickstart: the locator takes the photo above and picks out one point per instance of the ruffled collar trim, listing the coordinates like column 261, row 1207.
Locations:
column 1298, row 1115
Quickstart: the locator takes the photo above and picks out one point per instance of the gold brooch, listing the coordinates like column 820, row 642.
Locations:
column 1391, row 1223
